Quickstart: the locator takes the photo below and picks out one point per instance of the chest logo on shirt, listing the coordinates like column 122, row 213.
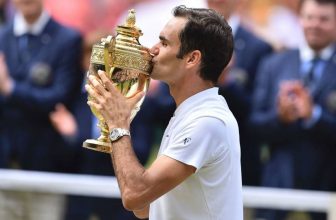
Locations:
column 186, row 140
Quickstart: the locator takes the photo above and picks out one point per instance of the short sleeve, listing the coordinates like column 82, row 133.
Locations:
column 197, row 143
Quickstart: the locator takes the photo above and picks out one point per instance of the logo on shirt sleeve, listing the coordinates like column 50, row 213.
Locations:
column 186, row 140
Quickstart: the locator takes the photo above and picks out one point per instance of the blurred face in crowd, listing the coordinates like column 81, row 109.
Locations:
column 319, row 23
column 31, row 9
column 224, row 7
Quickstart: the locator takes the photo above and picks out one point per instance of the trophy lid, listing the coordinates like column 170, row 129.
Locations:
column 123, row 50
column 129, row 27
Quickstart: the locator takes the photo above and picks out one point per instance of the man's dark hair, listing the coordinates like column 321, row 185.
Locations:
column 208, row 32
column 319, row 2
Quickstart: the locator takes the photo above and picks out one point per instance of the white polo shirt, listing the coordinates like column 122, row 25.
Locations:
column 203, row 133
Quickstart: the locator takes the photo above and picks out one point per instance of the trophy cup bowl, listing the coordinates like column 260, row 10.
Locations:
column 128, row 64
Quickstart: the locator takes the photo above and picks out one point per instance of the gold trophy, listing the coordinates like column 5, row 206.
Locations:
column 127, row 64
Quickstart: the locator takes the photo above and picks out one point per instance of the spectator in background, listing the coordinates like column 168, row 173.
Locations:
column 39, row 67
column 88, row 15
column 237, row 87
column 282, row 20
column 294, row 106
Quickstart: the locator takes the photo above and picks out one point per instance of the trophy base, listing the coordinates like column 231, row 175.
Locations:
column 98, row 146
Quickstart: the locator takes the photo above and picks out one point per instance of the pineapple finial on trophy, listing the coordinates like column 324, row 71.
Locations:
column 130, row 21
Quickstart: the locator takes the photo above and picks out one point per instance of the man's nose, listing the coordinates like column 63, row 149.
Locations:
column 315, row 22
column 154, row 50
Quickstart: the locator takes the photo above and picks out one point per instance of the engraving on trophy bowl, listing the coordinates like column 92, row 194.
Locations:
column 128, row 64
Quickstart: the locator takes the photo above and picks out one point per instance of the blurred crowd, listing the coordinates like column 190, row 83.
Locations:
column 280, row 85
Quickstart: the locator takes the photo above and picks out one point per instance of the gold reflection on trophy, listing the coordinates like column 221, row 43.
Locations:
column 127, row 64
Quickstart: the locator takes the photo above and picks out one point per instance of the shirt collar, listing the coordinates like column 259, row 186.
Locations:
column 22, row 27
column 307, row 54
column 200, row 97
column 234, row 22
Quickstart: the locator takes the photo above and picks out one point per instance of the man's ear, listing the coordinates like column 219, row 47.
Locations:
column 194, row 57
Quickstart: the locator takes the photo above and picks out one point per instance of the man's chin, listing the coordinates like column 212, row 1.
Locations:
column 153, row 75
column 316, row 45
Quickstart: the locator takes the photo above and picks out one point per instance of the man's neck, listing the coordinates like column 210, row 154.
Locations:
column 183, row 91
column 31, row 19
column 307, row 52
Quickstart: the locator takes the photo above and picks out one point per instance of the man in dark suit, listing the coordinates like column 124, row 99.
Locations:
column 237, row 87
column 294, row 105
column 39, row 67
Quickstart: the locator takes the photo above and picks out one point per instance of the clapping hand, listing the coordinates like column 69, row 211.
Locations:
column 294, row 102
column 63, row 121
column 6, row 82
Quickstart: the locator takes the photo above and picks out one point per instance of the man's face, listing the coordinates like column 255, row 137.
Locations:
column 167, row 67
column 29, row 8
column 318, row 22
column 224, row 7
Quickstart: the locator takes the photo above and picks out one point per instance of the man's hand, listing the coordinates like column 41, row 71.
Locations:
column 109, row 102
column 142, row 213
column 63, row 121
column 295, row 102
column 6, row 82
column 304, row 103
column 287, row 109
